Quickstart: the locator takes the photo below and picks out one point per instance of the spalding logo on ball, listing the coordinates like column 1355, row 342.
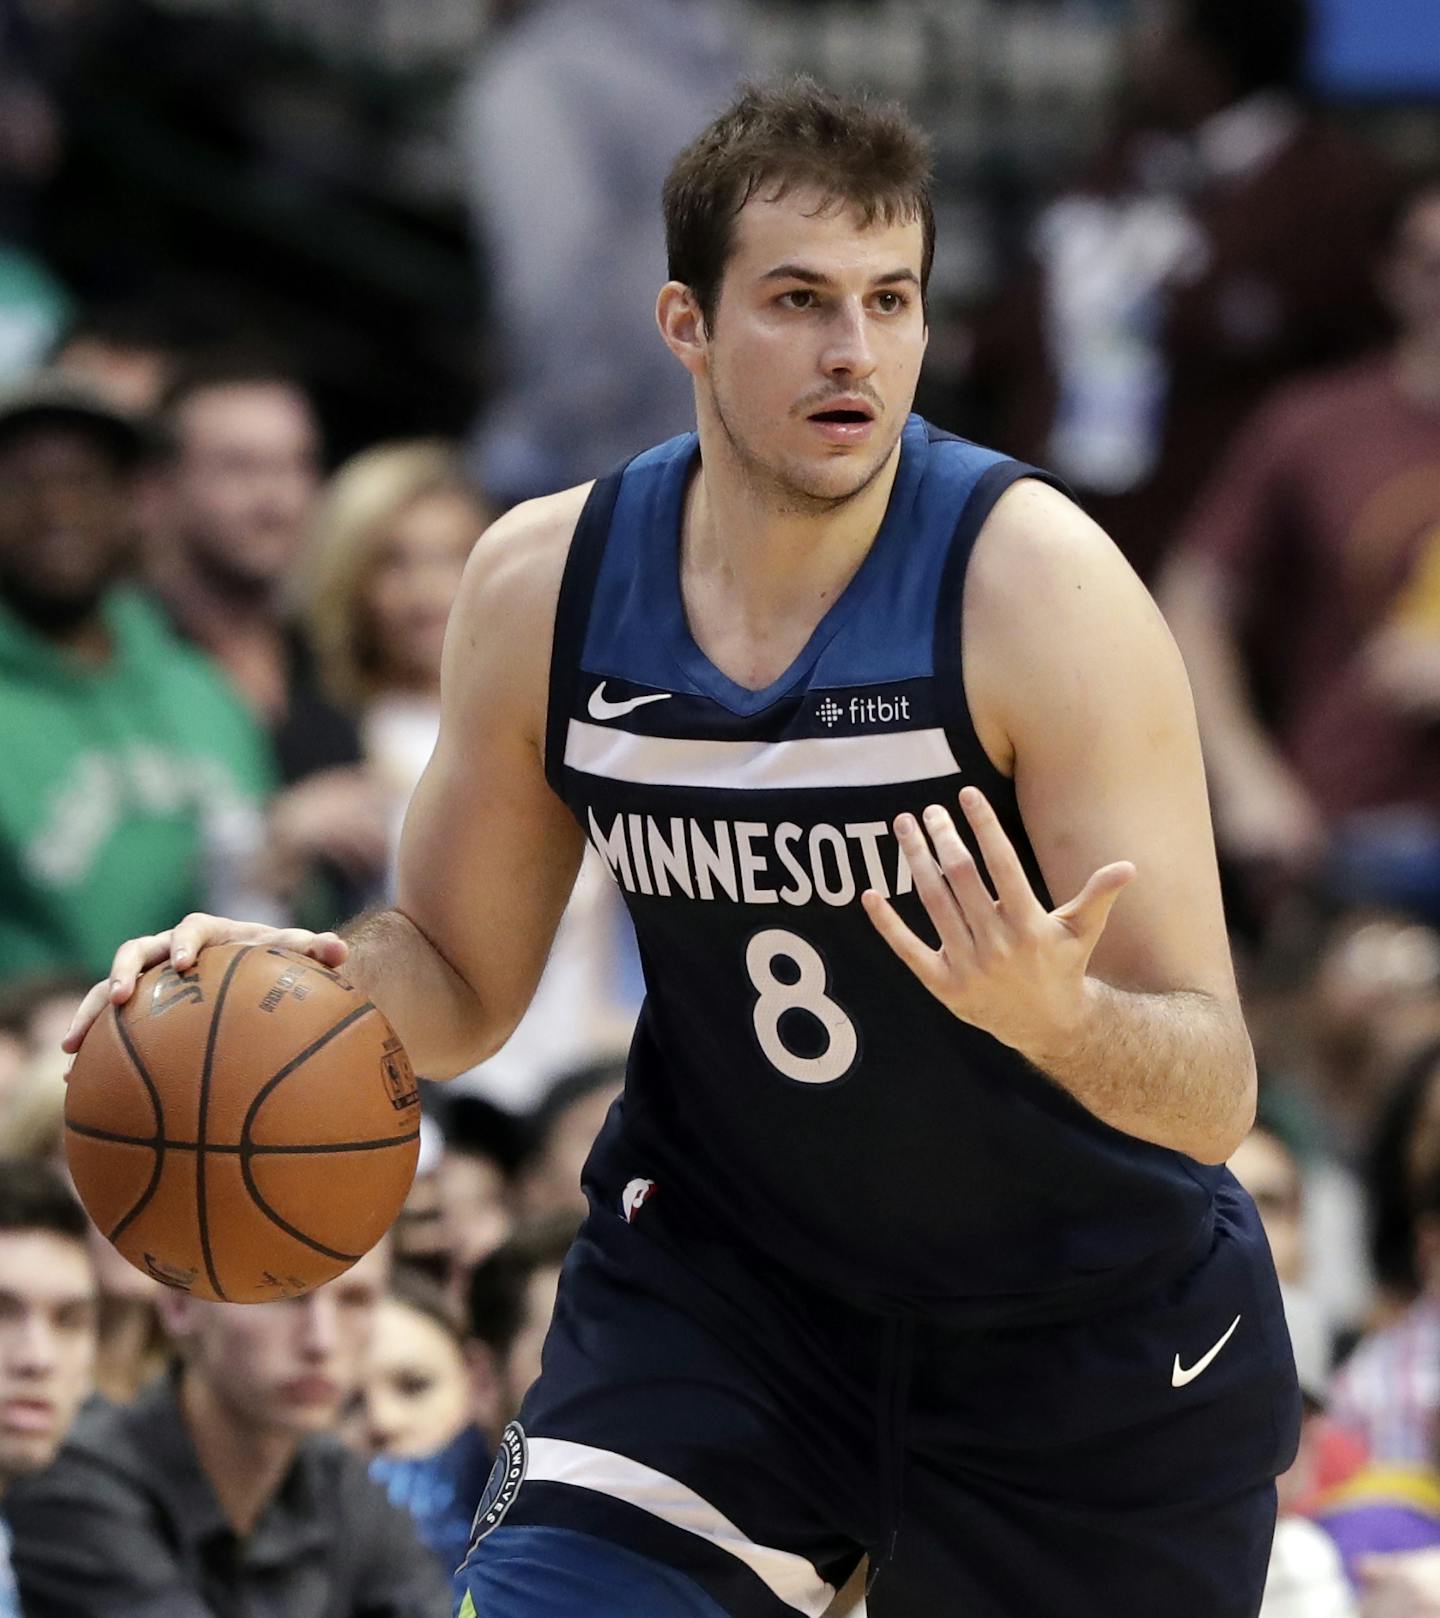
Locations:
column 244, row 1130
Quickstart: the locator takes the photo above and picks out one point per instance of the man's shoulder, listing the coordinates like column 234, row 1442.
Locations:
column 548, row 520
column 517, row 565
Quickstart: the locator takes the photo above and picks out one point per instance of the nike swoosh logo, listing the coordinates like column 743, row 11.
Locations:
column 599, row 708
column 1179, row 1377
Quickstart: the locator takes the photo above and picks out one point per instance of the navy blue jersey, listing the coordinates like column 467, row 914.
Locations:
column 791, row 1085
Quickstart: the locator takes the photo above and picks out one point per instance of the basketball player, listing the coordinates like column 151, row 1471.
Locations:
column 910, row 1234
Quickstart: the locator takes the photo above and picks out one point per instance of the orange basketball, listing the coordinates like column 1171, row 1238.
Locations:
column 246, row 1129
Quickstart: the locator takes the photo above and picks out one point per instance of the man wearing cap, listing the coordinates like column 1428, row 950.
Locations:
column 131, row 780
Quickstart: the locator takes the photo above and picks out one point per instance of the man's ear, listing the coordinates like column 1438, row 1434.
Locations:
column 682, row 325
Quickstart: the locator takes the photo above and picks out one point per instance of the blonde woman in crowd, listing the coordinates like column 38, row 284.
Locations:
column 391, row 539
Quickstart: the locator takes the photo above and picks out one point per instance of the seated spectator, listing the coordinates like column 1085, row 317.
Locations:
column 474, row 1180
column 47, row 1331
column 1406, row 1143
column 512, row 1297
column 1271, row 1173
column 1388, row 1392
column 223, row 1488
column 1306, row 1578
column 226, row 518
column 1285, row 583
column 564, row 1128
column 134, row 781
column 417, row 1418
column 34, row 1015
column 390, row 542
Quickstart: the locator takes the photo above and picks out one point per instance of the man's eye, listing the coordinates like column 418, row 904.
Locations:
column 799, row 298
column 891, row 302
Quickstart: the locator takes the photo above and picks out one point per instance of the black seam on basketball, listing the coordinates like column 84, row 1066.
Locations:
column 320, row 1150
column 157, row 1141
column 287, row 1227
column 91, row 1133
column 248, row 1148
column 205, row 1074
column 263, row 1094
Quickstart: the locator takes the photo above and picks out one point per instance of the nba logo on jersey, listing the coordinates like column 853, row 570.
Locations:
column 634, row 1196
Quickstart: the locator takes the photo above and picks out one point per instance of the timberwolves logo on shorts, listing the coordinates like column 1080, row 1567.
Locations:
column 503, row 1484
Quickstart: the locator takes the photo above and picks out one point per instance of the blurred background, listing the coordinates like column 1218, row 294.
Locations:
column 296, row 296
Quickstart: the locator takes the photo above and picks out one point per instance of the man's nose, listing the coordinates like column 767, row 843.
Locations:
column 317, row 1325
column 30, row 1347
column 848, row 352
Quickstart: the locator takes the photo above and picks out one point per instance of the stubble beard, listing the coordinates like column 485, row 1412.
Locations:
column 784, row 492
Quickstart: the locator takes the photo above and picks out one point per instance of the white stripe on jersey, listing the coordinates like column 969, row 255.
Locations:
column 820, row 761
column 792, row 1578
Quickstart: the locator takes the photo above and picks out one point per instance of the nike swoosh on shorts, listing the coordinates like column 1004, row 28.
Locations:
column 1180, row 1377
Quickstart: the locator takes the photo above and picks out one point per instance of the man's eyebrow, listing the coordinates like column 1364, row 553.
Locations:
column 815, row 278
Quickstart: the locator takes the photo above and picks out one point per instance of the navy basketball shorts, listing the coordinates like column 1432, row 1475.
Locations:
column 710, row 1438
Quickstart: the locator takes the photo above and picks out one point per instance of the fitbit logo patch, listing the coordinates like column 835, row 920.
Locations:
column 864, row 711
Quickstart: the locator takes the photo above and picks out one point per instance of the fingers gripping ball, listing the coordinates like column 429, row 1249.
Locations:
column 243, row 1130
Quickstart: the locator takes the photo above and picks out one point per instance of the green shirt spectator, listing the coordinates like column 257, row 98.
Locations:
column 127, row 789
column 132, row 782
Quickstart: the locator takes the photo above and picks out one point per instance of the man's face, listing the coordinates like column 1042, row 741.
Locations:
column 817, row 313
column 551, row 1184
column 1414, row 272
column 65, row 523
column 474, row 1207
column 245, row 478
column 289, row 1367
column 47, row 1345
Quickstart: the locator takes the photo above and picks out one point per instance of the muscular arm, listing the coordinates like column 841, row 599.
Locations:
column 488, row 855
column 1077, row 690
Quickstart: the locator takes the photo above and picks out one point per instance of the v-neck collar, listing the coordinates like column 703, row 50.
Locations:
column 703, row 674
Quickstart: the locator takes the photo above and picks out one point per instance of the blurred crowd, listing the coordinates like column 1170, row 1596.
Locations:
column 228, row 547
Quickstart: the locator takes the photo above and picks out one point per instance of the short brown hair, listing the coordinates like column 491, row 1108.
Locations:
column 865, row 154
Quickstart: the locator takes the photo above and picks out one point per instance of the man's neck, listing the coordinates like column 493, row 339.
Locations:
column 240, row 629
column 211, row 611
column 86, row 639
column 245, row 1465
column 771, row 560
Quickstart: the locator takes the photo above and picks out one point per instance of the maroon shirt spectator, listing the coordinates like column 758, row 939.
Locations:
column 1288, row 577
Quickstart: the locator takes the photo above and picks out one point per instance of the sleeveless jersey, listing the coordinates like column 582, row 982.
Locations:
column 791, row 1085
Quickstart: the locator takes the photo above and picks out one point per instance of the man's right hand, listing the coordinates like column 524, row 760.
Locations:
column 180, row 945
